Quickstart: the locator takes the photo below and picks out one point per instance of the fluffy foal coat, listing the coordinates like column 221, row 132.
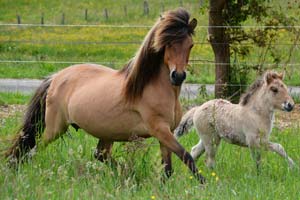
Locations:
column 247, row 124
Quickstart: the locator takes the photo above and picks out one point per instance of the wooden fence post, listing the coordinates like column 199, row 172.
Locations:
column 125, row 10
column 42, row 19
column 146, row 8
column 180, row 3
column 63, row 18
column 18, row 19
column 105, row 14
column 86, row 14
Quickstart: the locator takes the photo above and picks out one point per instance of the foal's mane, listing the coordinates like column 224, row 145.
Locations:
column 145, row 66
column 245, row 98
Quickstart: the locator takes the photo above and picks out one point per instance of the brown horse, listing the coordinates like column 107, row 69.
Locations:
column 247, row 124
column 140, row 100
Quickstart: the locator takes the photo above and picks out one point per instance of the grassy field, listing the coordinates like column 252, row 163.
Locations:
column 66, row 169
column 108, row 46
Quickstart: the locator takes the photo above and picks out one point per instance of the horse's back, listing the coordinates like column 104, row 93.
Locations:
column 220, row 117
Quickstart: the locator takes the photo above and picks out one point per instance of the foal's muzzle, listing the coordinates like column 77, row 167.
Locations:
column 177, row 78
column 287, row 106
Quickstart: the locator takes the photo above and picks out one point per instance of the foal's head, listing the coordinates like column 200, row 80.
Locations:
column 174, row 35
column 277, row 92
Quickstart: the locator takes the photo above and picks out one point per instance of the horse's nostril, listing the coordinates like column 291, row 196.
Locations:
column 173, row 74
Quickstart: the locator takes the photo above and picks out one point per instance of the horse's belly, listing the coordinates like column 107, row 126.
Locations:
column 231, row 132
column 111, row 123
column 234, row 138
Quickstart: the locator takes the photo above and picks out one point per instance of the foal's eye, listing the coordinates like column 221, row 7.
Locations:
column 274, row 89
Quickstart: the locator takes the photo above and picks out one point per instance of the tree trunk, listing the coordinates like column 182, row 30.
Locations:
column 220, row 46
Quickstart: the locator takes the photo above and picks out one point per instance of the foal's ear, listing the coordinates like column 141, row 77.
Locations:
column 281, row 75
column 269, row 78
column 193, row 24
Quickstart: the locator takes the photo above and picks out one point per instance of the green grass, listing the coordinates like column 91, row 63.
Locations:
column 13, row 98
column 85, row 44
column 66, row 169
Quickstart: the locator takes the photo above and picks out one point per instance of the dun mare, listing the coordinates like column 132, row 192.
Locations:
column 247, row 124
column 140, row 100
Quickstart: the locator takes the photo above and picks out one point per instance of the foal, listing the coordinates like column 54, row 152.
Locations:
column 247, row 124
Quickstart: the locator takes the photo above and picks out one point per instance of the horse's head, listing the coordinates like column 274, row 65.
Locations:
column 176, row 58
column 277, row 92
column 174, row 36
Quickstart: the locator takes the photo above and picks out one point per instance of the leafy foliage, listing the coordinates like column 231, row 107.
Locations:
column 272, row 23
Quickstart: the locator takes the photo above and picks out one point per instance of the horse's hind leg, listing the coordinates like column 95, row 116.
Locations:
column 211, row 145
column 198, row 150
column 56, row 125
column 103, row 151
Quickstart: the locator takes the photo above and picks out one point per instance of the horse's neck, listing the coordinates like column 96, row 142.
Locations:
column 262, row 109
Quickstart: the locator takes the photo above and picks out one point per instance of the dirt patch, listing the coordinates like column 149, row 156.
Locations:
column 11, row 110
column 288, row 119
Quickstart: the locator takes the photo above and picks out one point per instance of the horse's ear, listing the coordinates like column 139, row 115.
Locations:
column 193, row 24
column 269, row 78
column 281, row 75
column 161, row 17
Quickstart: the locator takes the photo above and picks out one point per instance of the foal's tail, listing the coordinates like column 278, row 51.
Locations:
column 186, row 123
column 33, row 124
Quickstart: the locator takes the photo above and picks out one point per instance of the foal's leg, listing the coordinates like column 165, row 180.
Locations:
column 103, row 151
column 256, row 155
column 275, row 147
column 255, row 143
column 198, row 150
column 211, row 144
column 166, row 160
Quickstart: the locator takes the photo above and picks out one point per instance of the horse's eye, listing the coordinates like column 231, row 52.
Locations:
column 274, row 89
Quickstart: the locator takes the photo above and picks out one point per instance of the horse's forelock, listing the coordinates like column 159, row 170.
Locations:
column 269, row 76
column 172, row 27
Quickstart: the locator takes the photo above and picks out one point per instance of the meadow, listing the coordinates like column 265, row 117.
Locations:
column 66, row 169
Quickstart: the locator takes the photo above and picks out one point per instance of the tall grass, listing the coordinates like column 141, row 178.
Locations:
column 66, row 169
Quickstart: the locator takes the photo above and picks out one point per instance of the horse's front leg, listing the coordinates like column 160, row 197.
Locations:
column 275, row 147
column 256, row 155
column 161, row 130
column 254, row 143
column 166, row 159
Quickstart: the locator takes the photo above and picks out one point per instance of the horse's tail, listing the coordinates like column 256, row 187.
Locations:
column 186, row 123
column 33, row 124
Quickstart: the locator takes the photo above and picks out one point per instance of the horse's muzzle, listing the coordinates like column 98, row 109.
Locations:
column 287, row 106
column 177, row 78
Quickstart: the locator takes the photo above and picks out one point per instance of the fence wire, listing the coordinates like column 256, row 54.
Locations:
column 148, row 26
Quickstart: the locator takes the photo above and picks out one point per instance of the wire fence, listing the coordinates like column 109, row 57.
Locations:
column 192, row 62
column 149, row 26
column 126, row 42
